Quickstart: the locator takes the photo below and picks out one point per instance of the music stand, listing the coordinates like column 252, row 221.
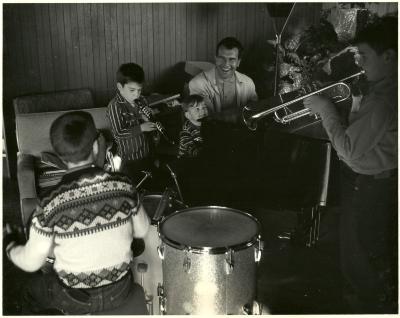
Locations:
column 278, row 10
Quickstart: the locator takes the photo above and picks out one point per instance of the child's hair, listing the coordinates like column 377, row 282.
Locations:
column 130, row 72
column 191, row 101
column 230, row 43
column 72, row 136
column 380, row 35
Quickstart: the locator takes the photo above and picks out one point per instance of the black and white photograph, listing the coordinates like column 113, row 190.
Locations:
column 199, row 158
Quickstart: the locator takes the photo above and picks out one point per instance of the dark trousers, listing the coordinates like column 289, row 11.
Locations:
column 45, row 294
column 368, row 240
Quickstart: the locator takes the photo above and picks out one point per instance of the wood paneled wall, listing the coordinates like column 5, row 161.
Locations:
column 54, row 46
column 51, row 46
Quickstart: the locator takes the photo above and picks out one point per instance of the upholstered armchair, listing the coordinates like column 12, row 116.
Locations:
column 192, row 68
column 38, row 168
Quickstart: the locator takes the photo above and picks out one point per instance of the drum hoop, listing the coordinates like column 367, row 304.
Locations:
column 160, row 194
column 209, row 250
column 157, row 195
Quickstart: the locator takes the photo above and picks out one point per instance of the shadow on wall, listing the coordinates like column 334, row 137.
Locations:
column 172, row 80
column 256, row 63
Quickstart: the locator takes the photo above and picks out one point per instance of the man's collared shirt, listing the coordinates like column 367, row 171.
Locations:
column 227, row 89
column 205, row 84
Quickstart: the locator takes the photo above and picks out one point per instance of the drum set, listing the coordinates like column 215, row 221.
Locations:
column 198, row 260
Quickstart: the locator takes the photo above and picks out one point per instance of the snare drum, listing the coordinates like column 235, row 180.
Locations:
column 209, row 257
column 147, row 268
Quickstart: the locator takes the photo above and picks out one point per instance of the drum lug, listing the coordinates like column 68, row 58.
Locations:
column 258, row 250
column 162, row 299
column 160, row 250
column 254, row 308
column 229, row 262
column 187, row 262
column 160, row 290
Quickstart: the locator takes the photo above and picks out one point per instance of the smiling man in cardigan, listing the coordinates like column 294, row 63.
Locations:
column 225, row 90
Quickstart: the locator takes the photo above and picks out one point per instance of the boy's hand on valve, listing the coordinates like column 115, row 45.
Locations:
column 148, row 126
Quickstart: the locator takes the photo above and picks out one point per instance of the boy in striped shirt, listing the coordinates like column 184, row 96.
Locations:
column 129, row 126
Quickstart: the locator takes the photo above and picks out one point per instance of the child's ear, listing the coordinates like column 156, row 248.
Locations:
column 95, row 148
column 187, row 115
column 119, row 86
column 390, row 55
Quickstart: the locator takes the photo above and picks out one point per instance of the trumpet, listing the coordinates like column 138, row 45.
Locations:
column 338, row 92
column 146, row 110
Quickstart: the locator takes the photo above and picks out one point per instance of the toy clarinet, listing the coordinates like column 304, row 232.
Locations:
column 146, row 110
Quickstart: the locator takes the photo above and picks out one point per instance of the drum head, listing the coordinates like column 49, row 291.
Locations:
column 209, row 228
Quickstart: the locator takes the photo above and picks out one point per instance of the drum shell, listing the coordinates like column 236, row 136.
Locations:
column 154, row 274
column 150, row 256
column 207, row 288
column 207, row 285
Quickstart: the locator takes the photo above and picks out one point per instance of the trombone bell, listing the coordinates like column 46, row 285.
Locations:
column 247, row 118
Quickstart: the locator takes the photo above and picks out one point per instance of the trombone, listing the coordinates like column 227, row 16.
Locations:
column 340, row 90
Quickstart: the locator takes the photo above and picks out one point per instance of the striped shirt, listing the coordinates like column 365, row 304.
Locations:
column 190, row 141
column 125, row 123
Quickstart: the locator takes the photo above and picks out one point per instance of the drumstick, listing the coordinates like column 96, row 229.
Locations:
column 162, row 205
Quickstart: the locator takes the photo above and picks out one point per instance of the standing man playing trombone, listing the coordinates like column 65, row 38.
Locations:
column 367, row 147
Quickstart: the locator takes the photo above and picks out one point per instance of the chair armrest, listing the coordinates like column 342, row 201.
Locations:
column 28, row 206
column 26, row 176
column 104, row 143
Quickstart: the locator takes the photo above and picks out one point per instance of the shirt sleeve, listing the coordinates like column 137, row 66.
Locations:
column 360, row 136
column 32, row 256
column 118, row 125
column 253, row 94
column 140, row 220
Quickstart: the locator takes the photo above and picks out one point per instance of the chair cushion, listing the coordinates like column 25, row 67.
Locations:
column 50, row 168
column 54, row 101
column 33, row 130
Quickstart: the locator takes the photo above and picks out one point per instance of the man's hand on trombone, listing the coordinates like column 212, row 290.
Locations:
column 318, row 104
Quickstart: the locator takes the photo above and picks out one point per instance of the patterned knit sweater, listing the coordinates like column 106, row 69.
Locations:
column 90, row 216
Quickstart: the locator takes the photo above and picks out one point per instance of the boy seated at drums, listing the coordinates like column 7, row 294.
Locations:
column 88, row 220
column 190, row 140
column 130, row 128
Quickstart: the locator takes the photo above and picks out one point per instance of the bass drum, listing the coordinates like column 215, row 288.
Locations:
column 147, row 266
column 209, row 261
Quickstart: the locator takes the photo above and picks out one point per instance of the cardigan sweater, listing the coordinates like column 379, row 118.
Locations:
column 206, row 85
